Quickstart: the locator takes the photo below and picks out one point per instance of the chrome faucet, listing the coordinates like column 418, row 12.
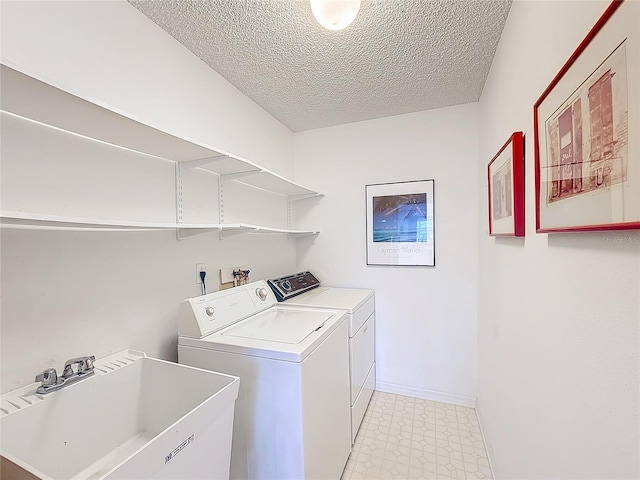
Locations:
column 50, row 382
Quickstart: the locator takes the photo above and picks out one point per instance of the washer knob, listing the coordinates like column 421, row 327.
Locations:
column 209, row 311
column 262, row 293
column 286, row 285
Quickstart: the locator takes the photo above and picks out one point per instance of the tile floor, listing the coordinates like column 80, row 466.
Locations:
column 410, row 438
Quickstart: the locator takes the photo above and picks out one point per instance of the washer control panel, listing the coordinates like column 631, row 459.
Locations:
column 292, row 285
column 206, row 314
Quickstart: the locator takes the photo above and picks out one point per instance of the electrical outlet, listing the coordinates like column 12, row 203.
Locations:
column 200, row 267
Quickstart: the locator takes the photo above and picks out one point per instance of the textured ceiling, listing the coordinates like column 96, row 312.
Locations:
column 398, row 56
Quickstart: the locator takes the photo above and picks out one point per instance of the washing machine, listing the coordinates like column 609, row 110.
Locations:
column 304, row 289
column 292, row 415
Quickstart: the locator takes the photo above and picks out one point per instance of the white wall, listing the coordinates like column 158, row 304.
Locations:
column 558, row 363
column 66, row 294
column 425, row 316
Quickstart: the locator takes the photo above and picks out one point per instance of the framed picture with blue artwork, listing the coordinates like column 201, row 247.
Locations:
column 400, row 223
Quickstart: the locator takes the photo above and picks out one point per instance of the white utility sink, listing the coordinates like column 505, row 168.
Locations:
column 136, row 418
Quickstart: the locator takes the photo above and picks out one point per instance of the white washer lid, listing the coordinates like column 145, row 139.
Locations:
column 282, row 326
column 276, row 350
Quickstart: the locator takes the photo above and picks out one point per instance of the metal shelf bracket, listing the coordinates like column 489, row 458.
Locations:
column 227, row 177
column 202, row 161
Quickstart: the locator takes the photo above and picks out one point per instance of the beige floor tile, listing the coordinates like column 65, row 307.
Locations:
column 410, row 438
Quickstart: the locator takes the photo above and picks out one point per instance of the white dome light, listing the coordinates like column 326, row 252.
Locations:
column 335, row 14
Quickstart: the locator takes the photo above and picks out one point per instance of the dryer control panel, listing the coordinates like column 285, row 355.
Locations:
column 292, row 285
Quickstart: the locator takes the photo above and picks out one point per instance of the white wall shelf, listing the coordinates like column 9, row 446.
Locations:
column 23, row 220
column 27, row 100
column 232, row 168
column 228, row 229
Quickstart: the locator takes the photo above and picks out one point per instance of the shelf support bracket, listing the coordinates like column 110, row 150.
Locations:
column 241, row 231
column 295, row 198
column 202, row 161
column 303, row 196
column 220, row 204
column 179, row 200
column 183, row 233
column 227, row 177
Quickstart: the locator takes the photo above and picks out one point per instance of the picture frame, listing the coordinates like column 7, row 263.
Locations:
column 505, row 180
column 400, row 223
column 587, row 166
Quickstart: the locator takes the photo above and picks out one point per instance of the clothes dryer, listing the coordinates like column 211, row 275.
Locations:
column 304, row 289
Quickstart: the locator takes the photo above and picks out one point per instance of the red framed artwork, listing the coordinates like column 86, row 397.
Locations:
column 587, row 165
column 505, row 174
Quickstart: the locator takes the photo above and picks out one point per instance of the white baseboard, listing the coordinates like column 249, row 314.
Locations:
column 452, row 398
column 486, row 443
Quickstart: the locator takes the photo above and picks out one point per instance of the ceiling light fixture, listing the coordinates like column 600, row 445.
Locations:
column 335, row 14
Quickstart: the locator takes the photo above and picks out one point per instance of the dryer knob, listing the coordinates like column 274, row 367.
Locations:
column 286, row 285
column 262, row 293
column 209, row 311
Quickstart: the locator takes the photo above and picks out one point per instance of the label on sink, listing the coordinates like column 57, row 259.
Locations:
column 179, row 448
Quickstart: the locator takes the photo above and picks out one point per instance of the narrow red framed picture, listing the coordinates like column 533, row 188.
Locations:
column 505, row 174
column 586, row 124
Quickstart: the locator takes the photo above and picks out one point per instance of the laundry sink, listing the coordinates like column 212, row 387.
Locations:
column 136, row 417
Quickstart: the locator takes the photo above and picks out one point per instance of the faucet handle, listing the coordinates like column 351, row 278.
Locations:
column 48, row 377
column 84, row 365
